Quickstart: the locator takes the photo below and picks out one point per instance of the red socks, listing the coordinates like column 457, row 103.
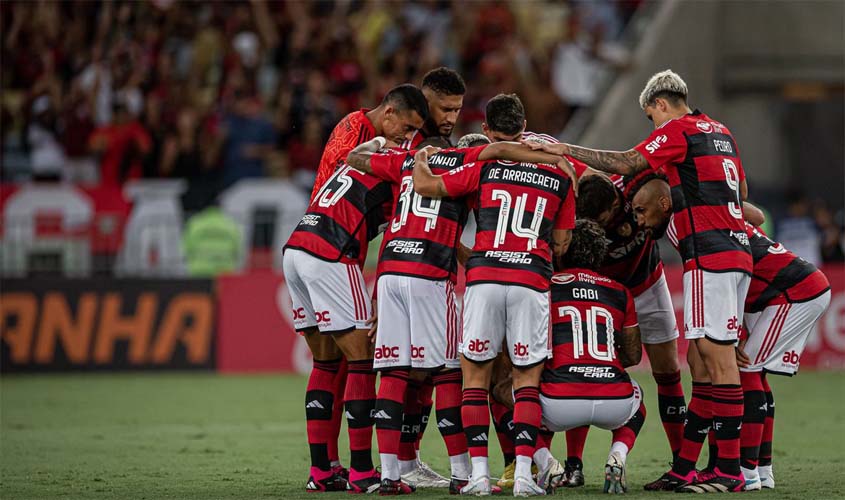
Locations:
column 476, row 420
column 575, row 440
column 448, row 411
column 360, row 400
column 727, row 421
column 526, row 420
column 699, row 419
column 672, row 407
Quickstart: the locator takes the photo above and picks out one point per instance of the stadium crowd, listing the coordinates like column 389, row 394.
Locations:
column 105, row 91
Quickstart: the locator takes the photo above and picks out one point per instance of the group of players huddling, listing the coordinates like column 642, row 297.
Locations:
column 555, row 308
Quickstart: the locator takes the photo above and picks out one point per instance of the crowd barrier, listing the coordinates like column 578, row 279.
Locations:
column 236, row 324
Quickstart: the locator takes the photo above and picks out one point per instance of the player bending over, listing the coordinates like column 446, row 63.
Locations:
column 787, row 297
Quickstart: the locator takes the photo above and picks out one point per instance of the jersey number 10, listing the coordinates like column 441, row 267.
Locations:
column 593, row 347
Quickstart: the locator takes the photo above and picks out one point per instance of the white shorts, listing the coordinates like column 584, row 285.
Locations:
column 418, row 324
column 714, row 304
column 564, row 414
column 656, row 314
column 494, row 313
column 329, row 295
column 777, row 334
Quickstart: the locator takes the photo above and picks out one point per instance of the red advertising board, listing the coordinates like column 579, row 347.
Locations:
column 256, row 334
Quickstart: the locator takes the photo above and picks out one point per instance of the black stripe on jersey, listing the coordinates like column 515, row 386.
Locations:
column 699, row 145
column 422, row 251
column 709, row 193
column 790, row 275
column 493, row 173
column 610, row 297
column 710, row 242
column 487, row 219
column 562, row 375
column 562, row 334
column 444, row 161
column 536, row 264
column 328, row 229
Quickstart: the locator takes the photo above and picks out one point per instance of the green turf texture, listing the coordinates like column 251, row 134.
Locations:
column 205, row 436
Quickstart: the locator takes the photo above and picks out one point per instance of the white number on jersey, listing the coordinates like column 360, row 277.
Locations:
column 514, row 220
column 427, row 208
column 593, row 347
column 732, row 178
column 326, row 197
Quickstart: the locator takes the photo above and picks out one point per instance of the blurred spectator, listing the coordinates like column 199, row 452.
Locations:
column 832, row 235
column 122, row 145
column 797, row 231
column 250, row 138
column 47, row 154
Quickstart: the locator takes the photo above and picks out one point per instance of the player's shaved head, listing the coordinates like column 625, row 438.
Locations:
column 472, row 140
column 651, row 202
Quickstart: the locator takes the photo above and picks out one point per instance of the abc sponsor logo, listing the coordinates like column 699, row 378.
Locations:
column 791, row 358
column 733, row 324
column 387, row 352
column 417, row 352
column 520, row 349
column 478, row 346
column 322, row 316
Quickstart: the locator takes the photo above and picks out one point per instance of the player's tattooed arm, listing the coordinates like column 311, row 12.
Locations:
column 614, row 162
column 425, row 182
column 359, row 157
column 629, row 347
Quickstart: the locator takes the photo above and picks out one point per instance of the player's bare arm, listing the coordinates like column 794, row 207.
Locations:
column 752, row 214
column 359, row 157
column 614, row 162
column 463, row 253
column 560, row 241
column 425, row 182
column 630, row 349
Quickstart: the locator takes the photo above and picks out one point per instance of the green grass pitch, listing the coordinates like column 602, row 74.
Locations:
column 205, row 436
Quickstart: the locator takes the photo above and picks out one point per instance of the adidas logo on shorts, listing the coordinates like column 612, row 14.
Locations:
column 315, row 404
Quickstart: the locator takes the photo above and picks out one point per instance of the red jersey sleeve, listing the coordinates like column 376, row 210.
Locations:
column 472, row 154
column 566, row 214
column 630, row 320
column 388, row 166
column 666, row 144
column 463, row 180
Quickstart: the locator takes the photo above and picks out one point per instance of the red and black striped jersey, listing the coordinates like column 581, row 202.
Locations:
column 517, row 206
column 589, row 311
column 780, row 276
column 633, row 257
column 343, row 217
column 423, row 235
column 702, row 162
column 354, row 129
